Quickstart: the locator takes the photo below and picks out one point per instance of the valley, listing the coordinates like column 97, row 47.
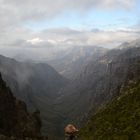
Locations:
column 61, row 100
column 69, row 69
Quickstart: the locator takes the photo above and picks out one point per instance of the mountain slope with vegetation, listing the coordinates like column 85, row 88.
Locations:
column 38, row 85
column 61, row 101
column 119, row 120
column 15, row 120
column 99, row 83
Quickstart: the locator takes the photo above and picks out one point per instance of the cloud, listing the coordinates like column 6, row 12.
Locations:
column 17, row 10
column 35, row 41
column 46, row 44
column 105, row 38
column 71, row 37
column 16, row 13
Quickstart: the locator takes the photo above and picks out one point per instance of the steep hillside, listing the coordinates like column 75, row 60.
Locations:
column 99, row 82
column 41, row 78
column 119, row 120
column 15, row 121
column 72, row 61
column 38, row 85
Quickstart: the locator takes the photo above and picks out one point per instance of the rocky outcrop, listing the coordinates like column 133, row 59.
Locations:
column 15, row 121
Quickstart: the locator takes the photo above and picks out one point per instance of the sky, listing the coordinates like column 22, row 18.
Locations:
column 35, row 25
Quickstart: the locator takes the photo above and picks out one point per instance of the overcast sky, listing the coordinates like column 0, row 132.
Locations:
column 37, row 24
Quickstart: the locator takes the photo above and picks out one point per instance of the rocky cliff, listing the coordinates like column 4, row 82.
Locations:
column 38, row 85
column 71, row 62
column 15, row 121
column 99, row 83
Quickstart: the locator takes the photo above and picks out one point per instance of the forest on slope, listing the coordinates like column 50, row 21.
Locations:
column 118, row 120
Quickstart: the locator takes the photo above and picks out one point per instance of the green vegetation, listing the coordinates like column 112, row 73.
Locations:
column 119, row 120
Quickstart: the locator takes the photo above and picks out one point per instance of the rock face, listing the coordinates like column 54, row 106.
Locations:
column 38, row 85
column 99, row 83
column 15, row 120
column 37, row 79
column 70, row 62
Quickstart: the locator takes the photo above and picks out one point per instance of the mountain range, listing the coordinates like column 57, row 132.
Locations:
column 69, row 63
column 98, row 83
column 36, row 84
column 94, row 79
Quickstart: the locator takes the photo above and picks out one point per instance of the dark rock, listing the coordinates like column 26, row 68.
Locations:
column 15, row 121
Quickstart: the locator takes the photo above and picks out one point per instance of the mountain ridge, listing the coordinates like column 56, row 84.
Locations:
column 36, row 84
column 99, row 83
column 15, row 120
column 118, row 120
